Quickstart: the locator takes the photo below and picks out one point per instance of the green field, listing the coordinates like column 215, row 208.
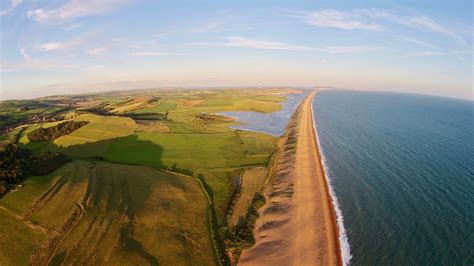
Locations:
column 190, row 151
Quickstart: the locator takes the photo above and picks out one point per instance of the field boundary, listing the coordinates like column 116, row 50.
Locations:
column 221, row 257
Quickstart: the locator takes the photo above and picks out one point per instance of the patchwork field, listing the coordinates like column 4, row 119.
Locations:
column 124, row 199
column 103, row 213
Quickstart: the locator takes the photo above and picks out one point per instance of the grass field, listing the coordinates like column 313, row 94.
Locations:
column 222, row 185
column 92, row 139
column 103, row 213
column 159, row 107
column 252, row 181
column 190, row 151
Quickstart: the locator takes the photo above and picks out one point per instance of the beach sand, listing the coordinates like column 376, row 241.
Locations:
column 297, row 226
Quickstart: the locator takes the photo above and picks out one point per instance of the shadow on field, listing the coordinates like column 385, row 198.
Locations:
column 125, row 150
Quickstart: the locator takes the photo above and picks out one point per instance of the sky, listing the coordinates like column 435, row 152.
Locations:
column 76, row 46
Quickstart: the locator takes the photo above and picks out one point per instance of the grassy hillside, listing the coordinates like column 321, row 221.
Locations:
column 100, row 213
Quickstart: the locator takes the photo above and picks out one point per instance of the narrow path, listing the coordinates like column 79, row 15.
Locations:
column 298, row 224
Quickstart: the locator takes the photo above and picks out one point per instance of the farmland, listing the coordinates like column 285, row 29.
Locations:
column 152, row 177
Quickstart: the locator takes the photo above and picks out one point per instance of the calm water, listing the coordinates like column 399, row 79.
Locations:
column 402, row 168
column 271, row 123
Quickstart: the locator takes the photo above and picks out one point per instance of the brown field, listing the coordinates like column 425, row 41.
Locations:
column 191, row 103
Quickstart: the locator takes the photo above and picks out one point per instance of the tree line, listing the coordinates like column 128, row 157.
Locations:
column 16, row 164
column 54, row 132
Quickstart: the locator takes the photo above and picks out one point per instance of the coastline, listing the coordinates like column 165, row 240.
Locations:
column 337, row 218
column 291, row 228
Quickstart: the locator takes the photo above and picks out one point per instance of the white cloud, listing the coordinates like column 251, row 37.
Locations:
column 209, row 27
column 37, row 65
column 369, row 19
column 97, row 51
column 77, row 41
column 74, row 9
column 420, row 43
column 331, row 18
column 13, row 5
column 437, row 53
column 428, row 53
column 161, row 35
column 262, row 44
column 236, row 41
column 53, row 46
column 73, row 26
column 152, row 53
column 415, row 21
column 24, row 54
column 348, row 49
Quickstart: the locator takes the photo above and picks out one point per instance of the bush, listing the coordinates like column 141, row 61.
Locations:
column 241, row 237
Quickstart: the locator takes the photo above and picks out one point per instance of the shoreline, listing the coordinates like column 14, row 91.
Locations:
column 336, row 217
column 327, row 189
column 292, row 229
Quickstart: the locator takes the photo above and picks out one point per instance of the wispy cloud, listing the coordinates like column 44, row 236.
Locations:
column 74, row 9
column 73, row 26
column 67, row 44
column 152, row 53
column 438, row 53
column 415, row 21
column 97, row 51
column 13, row 5
column 54, row 46
column 428, row 53
column 237, row 41
column 33, row 65
column 24, row 54
column 209, row 27
column 420, row 43
column 331, row 18
column 348, row 49
column 371, row 19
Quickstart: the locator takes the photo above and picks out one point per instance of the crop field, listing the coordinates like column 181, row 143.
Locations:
column 100, row 213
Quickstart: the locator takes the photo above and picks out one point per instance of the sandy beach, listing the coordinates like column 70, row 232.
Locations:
column 297, row 226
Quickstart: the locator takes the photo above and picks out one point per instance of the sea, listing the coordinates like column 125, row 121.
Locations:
column 401, row 173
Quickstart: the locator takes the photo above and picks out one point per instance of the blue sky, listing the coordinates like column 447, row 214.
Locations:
column 72, row 46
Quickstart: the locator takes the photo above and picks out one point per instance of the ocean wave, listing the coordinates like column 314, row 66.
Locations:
column 343, row 239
